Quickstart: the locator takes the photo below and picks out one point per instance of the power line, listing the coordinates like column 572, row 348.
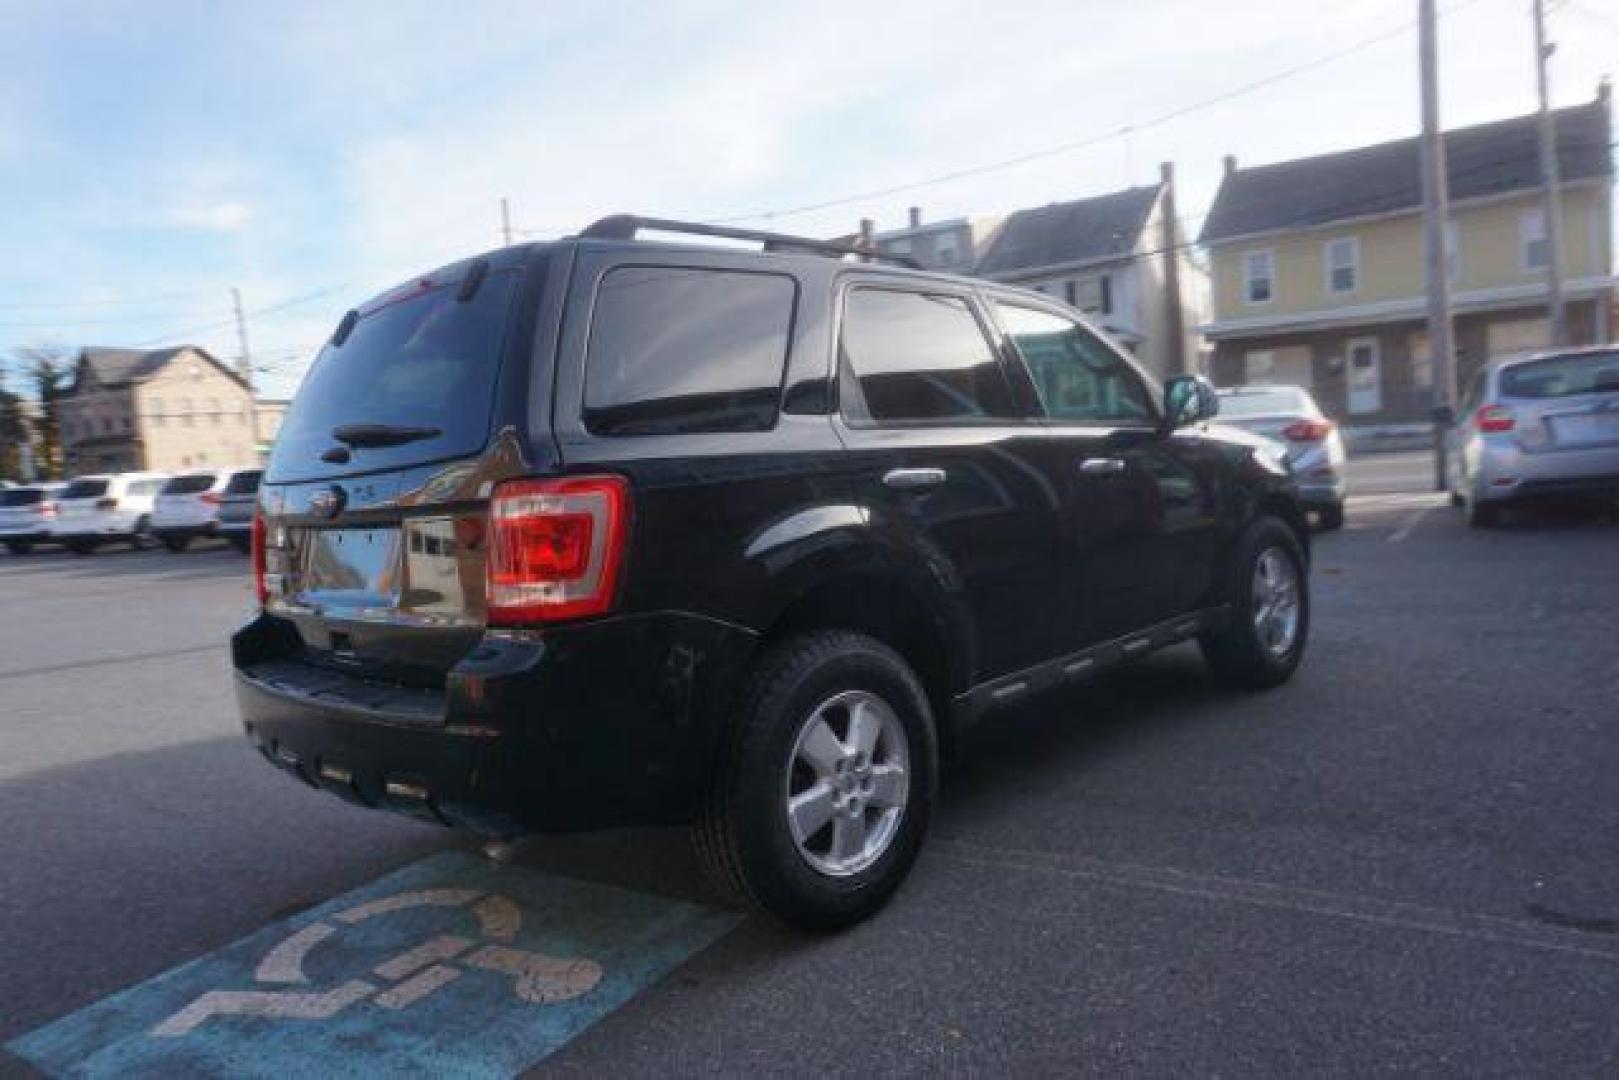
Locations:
column 1092, row 140
column 258, row 313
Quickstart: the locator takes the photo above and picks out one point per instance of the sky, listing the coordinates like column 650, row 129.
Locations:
column 155, row 154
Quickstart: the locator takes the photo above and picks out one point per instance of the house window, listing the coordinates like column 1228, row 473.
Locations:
column 123, row 422
column 1453, row 252
column 1258, row 276
column 898, row 247
column 944, row 253
column 1536, row 252
column 1104, row 291
column 1070, row 292
column 1343, row 264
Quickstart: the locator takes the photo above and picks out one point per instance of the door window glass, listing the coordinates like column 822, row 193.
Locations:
column 921, row 358
column 1078, row 376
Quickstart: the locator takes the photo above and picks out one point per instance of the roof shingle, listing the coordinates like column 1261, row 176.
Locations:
column 1069, row 232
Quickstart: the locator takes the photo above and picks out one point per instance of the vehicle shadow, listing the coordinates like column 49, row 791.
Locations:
column 1559, row 516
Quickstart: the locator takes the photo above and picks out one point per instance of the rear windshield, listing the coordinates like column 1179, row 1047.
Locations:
column 21, row 496
column 423, row 360
column 1283, row 399
column 243, row 483
column 85, row 489
column 188, row 485
column 1562, row 376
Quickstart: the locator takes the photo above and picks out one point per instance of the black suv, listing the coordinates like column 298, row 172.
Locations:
column 608, row 531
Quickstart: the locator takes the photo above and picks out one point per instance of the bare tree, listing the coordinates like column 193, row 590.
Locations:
column 46, row 370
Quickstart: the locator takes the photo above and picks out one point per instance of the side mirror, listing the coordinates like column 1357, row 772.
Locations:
column 1189, row 399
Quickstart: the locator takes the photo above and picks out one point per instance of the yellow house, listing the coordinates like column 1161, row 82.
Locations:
column 1319, row 277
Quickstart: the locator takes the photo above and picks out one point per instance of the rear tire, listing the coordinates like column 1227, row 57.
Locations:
column 241, row 545
column 176, row 544
column 142, row 537
column 81, row 547
column 1262, row 640
column 1332, row 517
column 877, row 790
column 19, row 547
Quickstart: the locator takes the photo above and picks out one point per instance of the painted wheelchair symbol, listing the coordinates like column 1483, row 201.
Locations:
column 410, row 976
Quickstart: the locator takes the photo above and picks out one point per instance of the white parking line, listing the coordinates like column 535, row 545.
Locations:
column 1410, row 524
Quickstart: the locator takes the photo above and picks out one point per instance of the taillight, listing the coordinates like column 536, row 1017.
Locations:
column 260, row 588
column 47, row 509
column 1494, row 418
column 1308, row 430
column 555, row 547
column 107, row 504
column 209, row 497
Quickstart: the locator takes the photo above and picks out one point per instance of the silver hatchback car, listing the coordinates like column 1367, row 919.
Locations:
column 1537, row 427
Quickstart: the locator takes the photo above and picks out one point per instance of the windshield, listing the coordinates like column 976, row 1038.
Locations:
column 85, row 489
column 425, row 360
column 1562, row 376
column 21, row 496
column 1282, row 399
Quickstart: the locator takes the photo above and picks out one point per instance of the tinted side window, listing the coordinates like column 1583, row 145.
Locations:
column 243, row 483
column 183, row 485
column 1079, row 378
column 921, row 358
column 676, row 350
column 85, row 489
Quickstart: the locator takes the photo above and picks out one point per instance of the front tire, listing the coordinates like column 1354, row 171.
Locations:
column 823, row 793
column 1263, row 639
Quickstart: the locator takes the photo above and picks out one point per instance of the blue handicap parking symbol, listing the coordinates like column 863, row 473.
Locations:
column 452, row 966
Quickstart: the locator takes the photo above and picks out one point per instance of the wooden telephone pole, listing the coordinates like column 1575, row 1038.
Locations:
column 1435, row 212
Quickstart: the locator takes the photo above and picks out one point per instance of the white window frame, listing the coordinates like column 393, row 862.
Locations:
column 1328, row 266
column 1532, row 228
column 1453, row 252
column 1248, row 276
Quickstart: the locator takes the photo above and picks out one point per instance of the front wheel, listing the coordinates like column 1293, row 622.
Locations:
column 1262, row 640
column 822, row 797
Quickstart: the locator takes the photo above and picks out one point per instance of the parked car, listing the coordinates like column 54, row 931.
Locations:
column 26, row 512
column 605, row 531
column 237, row 503
column 93, row 510
column 1315, row 448
column 188, row 507
column 1537, row 427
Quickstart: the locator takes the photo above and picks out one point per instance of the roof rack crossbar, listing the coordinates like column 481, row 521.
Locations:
column 627, row 226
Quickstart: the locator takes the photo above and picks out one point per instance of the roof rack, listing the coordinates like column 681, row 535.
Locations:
column 626, row 226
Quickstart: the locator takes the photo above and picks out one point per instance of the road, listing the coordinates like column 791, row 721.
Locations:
column 1402, row 861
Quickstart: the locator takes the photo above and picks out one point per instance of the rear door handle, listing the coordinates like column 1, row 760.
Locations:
column 913, row 479
column 1101, row 466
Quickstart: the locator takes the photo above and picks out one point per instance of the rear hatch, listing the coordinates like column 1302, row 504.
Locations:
column 81, row 499
column 376, row 496
column 186, row 500
column 25, row 509
column 237, row 501
column 1563, row 403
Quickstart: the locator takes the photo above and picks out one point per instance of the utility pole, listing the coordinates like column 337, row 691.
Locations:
column 505, row 222
column 1551, row 198
column 1435, row 212
column 1176, row 361
column 246, row 366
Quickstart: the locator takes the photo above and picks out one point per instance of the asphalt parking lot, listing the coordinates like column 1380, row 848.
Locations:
column 1405, row 860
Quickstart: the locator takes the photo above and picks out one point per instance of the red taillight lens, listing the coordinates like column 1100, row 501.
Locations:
column 209, row 497
column 260, row 588
column 1494, row 418
column 106, row 504
column 1308, row 430
column 47, row 509
column 555, row 547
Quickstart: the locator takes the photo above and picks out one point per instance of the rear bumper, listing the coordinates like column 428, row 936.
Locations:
column 1505, row 472
column 589, row 726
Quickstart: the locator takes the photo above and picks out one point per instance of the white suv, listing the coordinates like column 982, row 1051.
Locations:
column 94, row 509
column 188, row 506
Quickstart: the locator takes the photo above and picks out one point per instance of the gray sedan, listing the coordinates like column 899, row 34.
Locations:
column 1315, row 449
column 1535, row 427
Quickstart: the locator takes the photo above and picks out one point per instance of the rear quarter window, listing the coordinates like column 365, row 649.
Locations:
column 21, row 497
column 243, row 483
column 85, row 489
column 681, row 349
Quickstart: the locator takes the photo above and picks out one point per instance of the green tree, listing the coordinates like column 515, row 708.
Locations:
column 47, row 370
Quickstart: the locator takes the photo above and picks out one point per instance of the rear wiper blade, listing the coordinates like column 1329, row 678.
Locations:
column 382, row 434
